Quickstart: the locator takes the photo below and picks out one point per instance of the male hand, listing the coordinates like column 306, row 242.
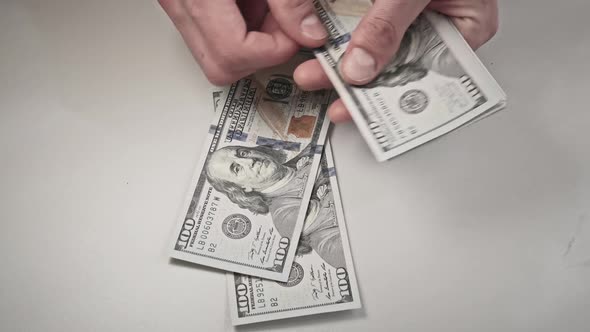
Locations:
column 378, row 36
column 231, row 39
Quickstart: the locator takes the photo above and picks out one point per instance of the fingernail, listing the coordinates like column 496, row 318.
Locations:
column 359, row 66
column 313, row 28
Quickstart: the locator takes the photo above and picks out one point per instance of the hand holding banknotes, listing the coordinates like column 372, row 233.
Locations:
column 380, row 33
column 264, row 203
column 231, row 39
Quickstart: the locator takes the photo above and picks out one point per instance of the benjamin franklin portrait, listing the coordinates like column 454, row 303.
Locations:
column 260, row 179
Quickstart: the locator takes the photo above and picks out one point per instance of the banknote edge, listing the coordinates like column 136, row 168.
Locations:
column 342, row 222
column 222, row 264
column 472, row 66
column 307, row 310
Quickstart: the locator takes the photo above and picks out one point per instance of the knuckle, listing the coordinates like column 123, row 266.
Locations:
column 173, row 8
column 219, row 77
column 220, row 68
column 195, row 10
column 378, row 34
column 227, row 57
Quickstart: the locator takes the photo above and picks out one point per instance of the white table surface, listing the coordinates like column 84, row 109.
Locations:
column 103, row 113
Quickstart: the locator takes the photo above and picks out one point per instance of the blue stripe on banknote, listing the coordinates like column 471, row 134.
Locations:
column 318, row 149
column 331, row 171
column 278, row 144
column 242, row 137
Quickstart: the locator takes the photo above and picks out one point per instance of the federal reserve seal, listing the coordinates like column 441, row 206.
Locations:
column 295, row 276
column 236, row 226
column 279, row 88
column 413, row 101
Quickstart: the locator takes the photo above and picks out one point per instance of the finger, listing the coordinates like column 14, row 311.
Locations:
column 178, row 14
column 477, row 23
column 310, row 76
column 247, row 50
column 260, row 49
column 377, row 38
column 338, row 112
column 254, row 12
column 271, row 46
column 188, row 31
column 299, row 20
column 235, row 51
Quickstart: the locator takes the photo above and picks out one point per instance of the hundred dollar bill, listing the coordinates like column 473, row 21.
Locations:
column 247, row 201
column 434, row 84
column 322, row 278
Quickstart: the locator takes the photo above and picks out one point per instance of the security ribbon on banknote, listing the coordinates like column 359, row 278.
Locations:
column 252, row 187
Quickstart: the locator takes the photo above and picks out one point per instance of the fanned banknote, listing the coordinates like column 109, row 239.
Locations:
column 249, row 196
column 322, row 277
column 434, row 84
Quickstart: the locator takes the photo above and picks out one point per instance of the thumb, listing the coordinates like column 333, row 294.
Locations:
column 298, row 19
column 377, row 38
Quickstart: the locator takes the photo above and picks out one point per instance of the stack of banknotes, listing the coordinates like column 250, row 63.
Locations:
column 264, row 203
